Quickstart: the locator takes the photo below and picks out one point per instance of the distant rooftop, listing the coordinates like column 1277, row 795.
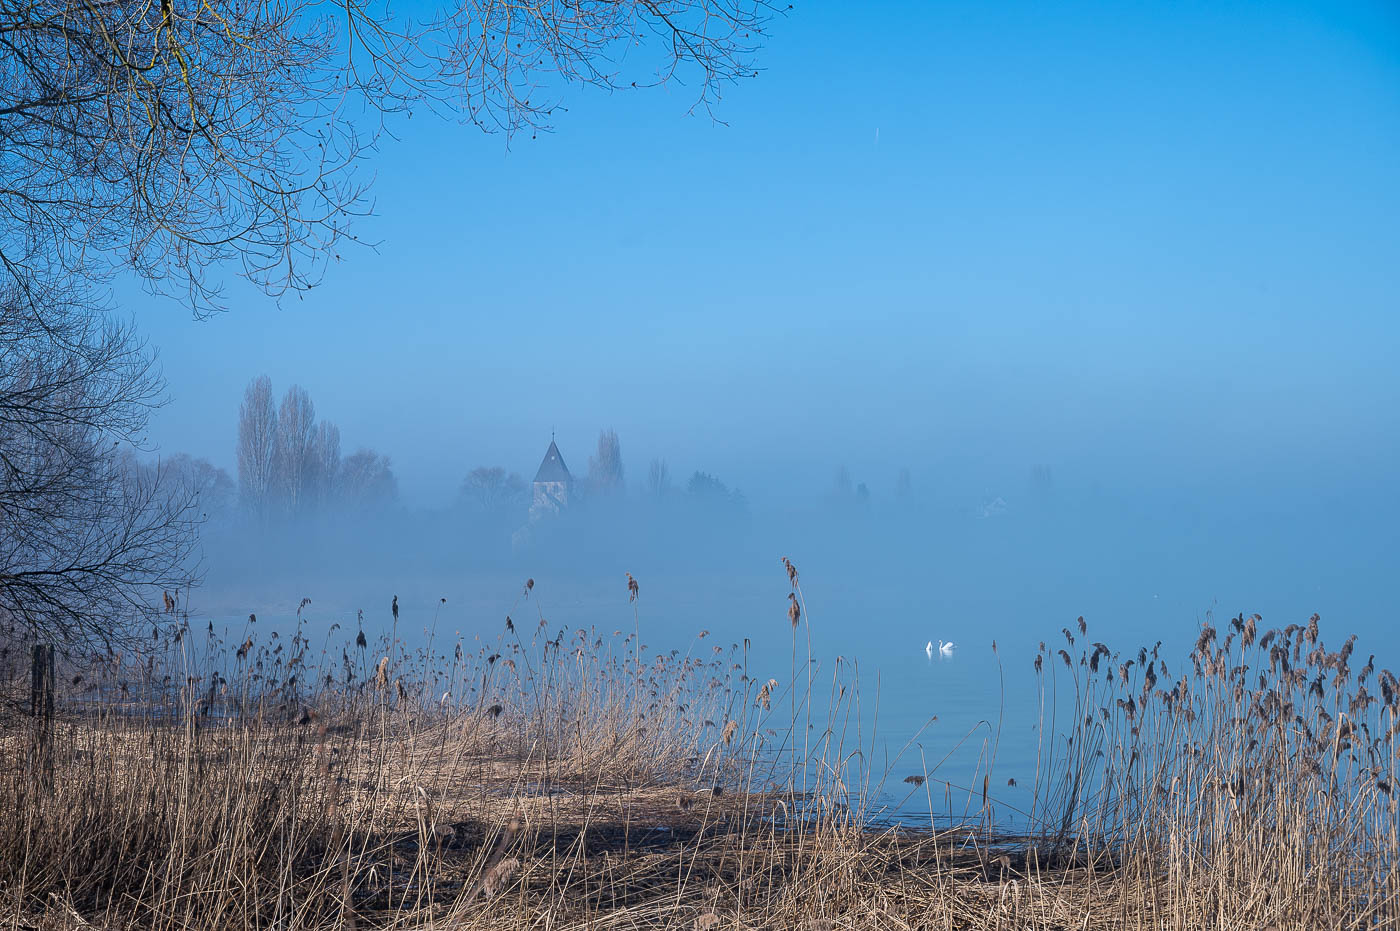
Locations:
column 552, row 469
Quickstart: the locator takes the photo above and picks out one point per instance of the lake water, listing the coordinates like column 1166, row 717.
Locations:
column 877, row 591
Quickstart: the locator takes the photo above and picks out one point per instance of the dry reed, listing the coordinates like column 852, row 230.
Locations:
column 573, row 781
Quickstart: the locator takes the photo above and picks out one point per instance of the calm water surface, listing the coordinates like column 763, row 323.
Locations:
column 877, row 592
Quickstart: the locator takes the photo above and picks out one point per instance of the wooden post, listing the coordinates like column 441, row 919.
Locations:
column 41, row 689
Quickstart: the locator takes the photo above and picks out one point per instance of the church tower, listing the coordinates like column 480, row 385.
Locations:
column 553, row 484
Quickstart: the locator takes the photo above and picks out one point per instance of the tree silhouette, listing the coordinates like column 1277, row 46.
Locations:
column 605, row 473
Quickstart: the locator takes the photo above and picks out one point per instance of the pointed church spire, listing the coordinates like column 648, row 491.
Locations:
column 552, row 468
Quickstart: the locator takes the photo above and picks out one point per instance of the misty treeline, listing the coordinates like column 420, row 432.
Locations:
column 291, row 469
column 492, row 488
column 305, row 518
column 605, row 514
column 290, row 465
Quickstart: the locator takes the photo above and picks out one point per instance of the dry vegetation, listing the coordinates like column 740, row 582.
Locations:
column 573, row 780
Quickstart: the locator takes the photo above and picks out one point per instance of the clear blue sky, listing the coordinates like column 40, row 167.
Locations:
column 1153, row 242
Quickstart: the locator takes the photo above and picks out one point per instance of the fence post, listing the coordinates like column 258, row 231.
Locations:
column 41, row 689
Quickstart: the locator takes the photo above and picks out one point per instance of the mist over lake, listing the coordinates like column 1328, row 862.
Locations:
column 882, row 575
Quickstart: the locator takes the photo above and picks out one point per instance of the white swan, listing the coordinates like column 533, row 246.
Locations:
column 929, row 649
column 945, row 649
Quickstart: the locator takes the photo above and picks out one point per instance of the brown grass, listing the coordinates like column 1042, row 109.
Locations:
column 572, row 781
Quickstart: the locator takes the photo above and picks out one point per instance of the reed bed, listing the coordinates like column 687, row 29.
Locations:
column 569, row 779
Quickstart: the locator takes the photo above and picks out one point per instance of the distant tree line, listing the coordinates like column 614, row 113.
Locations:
column 290, row 466
column 493, row 490
column 210, row 490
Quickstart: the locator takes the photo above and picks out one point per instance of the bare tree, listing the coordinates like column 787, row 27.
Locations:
column 257, row 448
column 492, row 490
column 288, row 463
column 324, row 472
column 605, row 472
column 704, row 486
column 708, row 491
column 209, row 486
column 367, row 482
column 903, row 484
column 169, row 138
column 658, row 478
column 842, row 482
column 87, row 541
column 296, row 435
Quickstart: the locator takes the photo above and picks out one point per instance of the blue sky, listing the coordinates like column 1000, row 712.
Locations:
column 1151, row 243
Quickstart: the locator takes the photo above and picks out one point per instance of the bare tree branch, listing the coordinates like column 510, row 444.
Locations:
column 88, row 537
column 173, row 137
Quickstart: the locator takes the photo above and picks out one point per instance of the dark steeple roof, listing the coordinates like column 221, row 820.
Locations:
column 552, row 469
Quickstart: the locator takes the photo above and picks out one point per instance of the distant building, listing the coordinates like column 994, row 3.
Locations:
column 553, row 484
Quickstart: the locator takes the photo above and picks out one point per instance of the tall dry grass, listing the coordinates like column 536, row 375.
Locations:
column 575, row 779
column 1254, row 782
